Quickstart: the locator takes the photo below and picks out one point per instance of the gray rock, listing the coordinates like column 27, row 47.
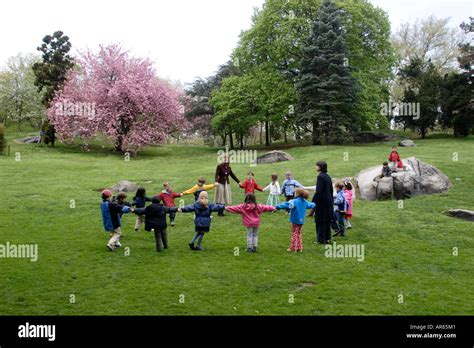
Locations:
column 461, row 214
column 29, row 140
column 418, row 178
column 407, row 143
column 273, row 157
column 124, row 186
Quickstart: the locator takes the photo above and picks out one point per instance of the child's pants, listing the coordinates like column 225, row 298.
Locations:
column 138, row 222
column 172, row 217
column 116, row 234
column 339, row 223
column 252, row 237
column 161, row 236
column 198, row 236
column 296, row 237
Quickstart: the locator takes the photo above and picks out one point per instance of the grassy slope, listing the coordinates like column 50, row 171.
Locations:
column 407, row 250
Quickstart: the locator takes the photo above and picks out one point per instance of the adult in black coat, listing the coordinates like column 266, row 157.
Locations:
column 155, row 219
column 324, row 200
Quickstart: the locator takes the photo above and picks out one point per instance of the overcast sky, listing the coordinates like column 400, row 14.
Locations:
column 185, row 38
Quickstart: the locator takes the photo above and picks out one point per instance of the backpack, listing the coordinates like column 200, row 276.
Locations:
column 106, row 217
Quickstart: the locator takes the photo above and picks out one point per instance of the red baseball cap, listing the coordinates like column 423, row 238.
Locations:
column 106, row 193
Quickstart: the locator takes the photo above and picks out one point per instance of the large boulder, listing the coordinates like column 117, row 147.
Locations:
column 273, row 157
column 418, row 178
column 124, row 186
column 461, row 214
column 407, row 143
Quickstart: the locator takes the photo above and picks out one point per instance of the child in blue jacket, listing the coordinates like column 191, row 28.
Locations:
column 202, row 210
column 297, row 207
column 139, row 202
column 340, row 208
column 112, row 216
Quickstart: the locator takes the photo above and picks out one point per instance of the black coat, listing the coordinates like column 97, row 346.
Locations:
column 324, row 211
column 155, row 216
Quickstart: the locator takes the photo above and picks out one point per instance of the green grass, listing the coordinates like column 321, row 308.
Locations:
column 407, row 251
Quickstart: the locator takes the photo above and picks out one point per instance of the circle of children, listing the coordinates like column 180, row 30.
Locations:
column 296, row 203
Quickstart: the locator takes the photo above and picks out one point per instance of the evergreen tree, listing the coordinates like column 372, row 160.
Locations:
column 51, row 73
column 327, row 90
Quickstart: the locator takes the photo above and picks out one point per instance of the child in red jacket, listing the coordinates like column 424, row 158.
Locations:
column 167, row 196
column 250, row 185
column 394, row 159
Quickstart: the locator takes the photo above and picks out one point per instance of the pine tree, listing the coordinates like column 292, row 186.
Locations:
column 327, row 90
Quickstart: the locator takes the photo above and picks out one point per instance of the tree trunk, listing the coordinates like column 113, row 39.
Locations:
column 118, row 143
column 241, row 141
column 316, row 140
column 267, row 133
column 261, row 133
column 423, row 133
column 285, row 136
column 224, row 139
column 231, row 140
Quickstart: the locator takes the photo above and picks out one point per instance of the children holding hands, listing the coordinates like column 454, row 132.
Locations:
column 112, row 212
column 275, row 191
column 167, row 196
column 297, row 207
column 139, row 201
column 251, row 212
column 250, row 185
column 155, row 220
column 198, row 188
column 202, row 210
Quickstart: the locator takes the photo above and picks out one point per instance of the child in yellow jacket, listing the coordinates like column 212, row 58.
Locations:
column 198, row 188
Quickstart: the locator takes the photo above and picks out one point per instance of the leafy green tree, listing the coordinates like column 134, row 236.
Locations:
column 281, row 28
column 199, row 109
column 234, row 104
column 457, row 102
column 51, row 73
column 423, row 83
column 328, row 92
column 19, row 99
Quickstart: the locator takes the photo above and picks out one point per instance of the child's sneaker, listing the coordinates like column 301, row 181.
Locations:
column 198, row 248
column 118, row 245
column 136, row 229
column 254, row 249
column 172, row 223
column 191, row 246
column 249, row 250
column 111, row 247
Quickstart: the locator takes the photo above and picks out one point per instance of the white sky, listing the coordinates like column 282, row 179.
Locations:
column 185, row 38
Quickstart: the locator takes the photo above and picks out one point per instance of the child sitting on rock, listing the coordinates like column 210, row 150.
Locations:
column 395, row 160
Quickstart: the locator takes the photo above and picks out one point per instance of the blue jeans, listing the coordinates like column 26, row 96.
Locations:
column 339, row 223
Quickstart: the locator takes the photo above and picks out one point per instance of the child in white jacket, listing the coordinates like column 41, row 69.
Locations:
column 274, row 187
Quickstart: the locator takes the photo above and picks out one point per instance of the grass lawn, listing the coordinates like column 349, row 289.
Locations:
column 408, row 251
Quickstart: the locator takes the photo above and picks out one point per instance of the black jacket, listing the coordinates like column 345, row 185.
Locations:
column 324, row 211
column 155, row 216
column 116, row 211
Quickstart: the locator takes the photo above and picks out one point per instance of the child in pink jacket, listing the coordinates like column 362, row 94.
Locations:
column 348, row 194
column 251, row 212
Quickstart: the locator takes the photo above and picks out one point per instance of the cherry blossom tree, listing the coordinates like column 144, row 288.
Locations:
column 119, row 96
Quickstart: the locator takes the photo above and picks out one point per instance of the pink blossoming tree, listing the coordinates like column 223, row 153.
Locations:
column 120, row 96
